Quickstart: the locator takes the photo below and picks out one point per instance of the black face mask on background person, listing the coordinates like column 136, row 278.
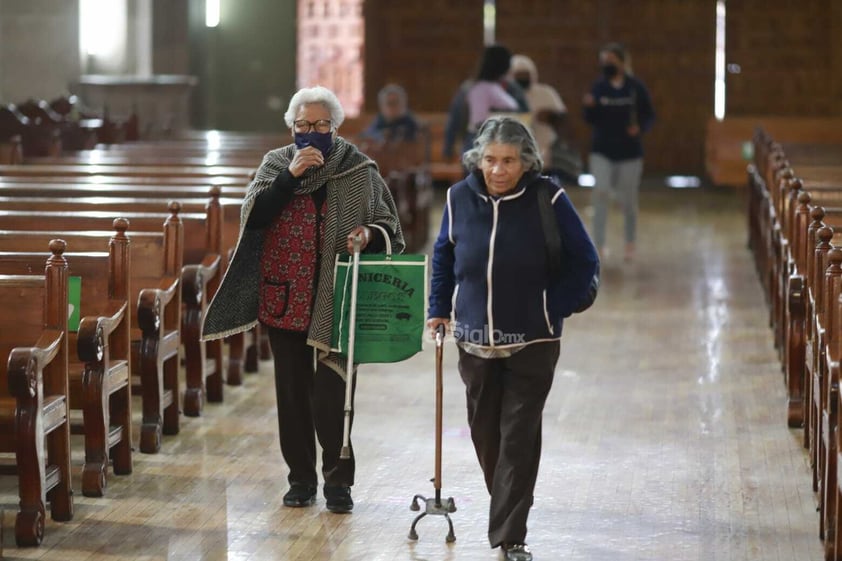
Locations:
column 609, row 70
column 523, row 82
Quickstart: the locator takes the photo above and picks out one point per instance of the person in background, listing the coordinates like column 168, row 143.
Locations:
column 394, row 120
column 491, row 90
column 619, row 109
column 491, row 270
column 548, row 110
column 306, row 204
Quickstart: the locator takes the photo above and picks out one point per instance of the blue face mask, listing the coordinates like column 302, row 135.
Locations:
column 323, row 141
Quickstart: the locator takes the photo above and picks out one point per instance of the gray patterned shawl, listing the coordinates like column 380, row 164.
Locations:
column 356, row 195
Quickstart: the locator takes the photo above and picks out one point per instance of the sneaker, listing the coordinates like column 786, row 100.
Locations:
column 516, row 552
column 300, row 494
column 338, row 499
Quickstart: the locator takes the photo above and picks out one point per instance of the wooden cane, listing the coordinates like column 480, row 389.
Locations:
column 439, row 399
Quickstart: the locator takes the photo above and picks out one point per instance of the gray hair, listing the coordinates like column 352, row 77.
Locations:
column 505, row 130
column 392, row 89
column 317, row 94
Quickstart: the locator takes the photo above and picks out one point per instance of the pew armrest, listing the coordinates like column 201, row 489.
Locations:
column 152, row 302
column 26, row 364
column 95, row 330
column 195, row 278
column 796, row 295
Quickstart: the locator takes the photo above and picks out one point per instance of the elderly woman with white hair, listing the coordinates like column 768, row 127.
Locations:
column 492, row 269
column 307, row 202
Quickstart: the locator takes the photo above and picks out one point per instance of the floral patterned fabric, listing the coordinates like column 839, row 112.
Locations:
column 289, row 264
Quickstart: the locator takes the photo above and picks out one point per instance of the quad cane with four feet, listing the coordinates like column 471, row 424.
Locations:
column 436, row 505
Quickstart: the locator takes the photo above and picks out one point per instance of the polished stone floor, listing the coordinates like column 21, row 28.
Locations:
column 664, row 438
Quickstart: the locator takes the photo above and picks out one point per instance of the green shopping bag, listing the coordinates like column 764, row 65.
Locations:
column 391, row 295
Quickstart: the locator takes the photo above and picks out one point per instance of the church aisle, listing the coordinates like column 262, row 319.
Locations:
column 665, row 438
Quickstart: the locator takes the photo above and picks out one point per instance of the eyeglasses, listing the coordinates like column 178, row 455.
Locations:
column 302, row 126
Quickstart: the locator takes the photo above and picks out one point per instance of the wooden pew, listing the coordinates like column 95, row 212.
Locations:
column 98, row 372
column 833, row 496
column 795, row 249
column 822, row 288
column 67, row 171
column 155, row 287
column 33, row 394
column 824, row 363
column 822, row 355
column 811, row 154
column 157, row 174
column 803, row 287
column 79, row 131
column 229, row 184
column 16, row 187
column 37, row 139
column 223, row 213
column 149, row 158
column 803, row 326
column 724, row 140
column 242, row 356
column 73, row 135
column 789, row 223
column 828, row 397
column 799, row 239
column 431, row 125
column 201, row 272
column 771, row 200
column 405, row 166
column 11, row 149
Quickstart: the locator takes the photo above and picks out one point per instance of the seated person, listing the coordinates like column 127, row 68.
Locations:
column 394, row 121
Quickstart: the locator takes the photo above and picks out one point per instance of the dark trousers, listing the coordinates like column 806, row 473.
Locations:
column 506, row 399
column 310, row 404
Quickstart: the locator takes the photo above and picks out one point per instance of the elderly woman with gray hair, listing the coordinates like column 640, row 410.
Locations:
column 394, row 121
column 491, row 263
column 307, row 202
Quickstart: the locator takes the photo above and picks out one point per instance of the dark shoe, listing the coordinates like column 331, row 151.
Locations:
column 516, row 552
column 338, row 499
column 300, row 494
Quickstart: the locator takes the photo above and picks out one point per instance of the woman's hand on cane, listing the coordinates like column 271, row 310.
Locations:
column 365, row 237
column 434, row 323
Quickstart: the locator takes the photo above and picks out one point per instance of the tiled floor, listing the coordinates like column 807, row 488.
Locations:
column 664, row 438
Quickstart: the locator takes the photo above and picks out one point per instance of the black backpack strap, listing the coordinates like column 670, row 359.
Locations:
column 550, row 227
column 554, row 245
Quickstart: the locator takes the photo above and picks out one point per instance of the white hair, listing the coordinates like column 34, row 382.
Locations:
column 317, row 94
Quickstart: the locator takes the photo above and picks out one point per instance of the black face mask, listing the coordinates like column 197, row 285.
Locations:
column 609, row 70
column 523, row 82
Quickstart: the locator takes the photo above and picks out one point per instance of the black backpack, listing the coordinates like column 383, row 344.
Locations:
column 555, row 245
